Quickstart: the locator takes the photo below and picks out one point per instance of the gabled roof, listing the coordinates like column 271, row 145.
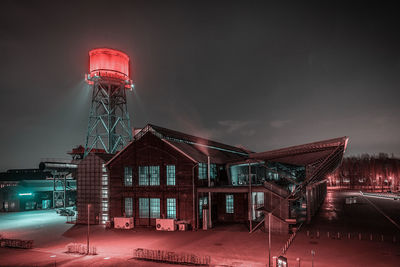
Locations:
column 195, row 148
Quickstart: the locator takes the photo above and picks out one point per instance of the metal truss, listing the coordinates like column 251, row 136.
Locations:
column 109, row 124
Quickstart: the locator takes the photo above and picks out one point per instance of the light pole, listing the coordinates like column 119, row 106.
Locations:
column 194, row 198
column 269, row 239
column 88, row 228
column 312, row 258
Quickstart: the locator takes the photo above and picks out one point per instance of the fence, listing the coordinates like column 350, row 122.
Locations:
column 15, row 243
column 81, row 249
column 170, row 257
column 354, row 236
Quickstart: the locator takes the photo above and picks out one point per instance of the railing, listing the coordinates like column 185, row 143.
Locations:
column 170, row 257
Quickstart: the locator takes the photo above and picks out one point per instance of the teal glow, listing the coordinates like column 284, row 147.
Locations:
column 25, row 194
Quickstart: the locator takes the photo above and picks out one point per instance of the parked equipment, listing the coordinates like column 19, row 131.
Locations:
column 165, row 225
column 123, row 223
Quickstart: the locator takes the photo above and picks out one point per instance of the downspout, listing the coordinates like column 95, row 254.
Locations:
column 195, row 223
column 209, row 193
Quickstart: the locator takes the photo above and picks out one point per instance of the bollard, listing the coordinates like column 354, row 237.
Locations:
column 338, row 235
column 298, row 262
column 348, row 236
column 359, row 236
column 370, row 237
column 327, row 234
column 318, row 234
column 308, row 233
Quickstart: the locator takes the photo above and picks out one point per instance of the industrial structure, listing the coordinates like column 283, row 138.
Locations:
column 93, row 190
column 109, row 124
column 196, row 182
column 30, row 189
column 163, row 173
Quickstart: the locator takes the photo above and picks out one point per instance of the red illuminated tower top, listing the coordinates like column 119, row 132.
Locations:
column 109, row 64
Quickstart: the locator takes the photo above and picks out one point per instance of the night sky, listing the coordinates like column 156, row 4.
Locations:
column 260, row 74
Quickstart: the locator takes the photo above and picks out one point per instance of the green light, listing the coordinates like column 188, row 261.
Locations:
column 25, row 194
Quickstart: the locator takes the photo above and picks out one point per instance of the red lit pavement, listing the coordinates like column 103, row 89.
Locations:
column 227, row 245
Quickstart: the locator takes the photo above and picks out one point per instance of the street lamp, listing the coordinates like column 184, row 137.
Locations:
column 312, row 257
column 88, row 227
column 269, row 239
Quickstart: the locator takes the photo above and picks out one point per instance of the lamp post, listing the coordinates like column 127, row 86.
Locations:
column 269, row 239
column 88, row 228
column 312, row 257
column 194, row 198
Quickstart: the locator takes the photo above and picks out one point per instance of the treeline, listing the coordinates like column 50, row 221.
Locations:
column 376, row 172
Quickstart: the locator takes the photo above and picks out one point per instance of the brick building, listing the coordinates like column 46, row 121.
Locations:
column 168, row 174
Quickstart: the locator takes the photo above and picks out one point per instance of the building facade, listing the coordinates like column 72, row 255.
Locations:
column 168, row 174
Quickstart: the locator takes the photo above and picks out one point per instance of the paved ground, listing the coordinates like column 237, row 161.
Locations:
column 228, row 245
column 350, row 221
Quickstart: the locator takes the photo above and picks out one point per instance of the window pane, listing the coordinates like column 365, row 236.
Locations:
column 171, row 208
column 170, row 174
column 143, row 175
column 202, row 170
column 128, row 207
column 154, row 175
column 154, row 208
column 213, row 171
column 202, row 201
column 128, row 176
column 229, row 204
column 143, row 207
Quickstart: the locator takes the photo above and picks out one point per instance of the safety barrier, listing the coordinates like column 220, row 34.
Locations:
column 290, row 240
column 170, row 257
column 354, row 236
column 81, row 249
column 15, row 243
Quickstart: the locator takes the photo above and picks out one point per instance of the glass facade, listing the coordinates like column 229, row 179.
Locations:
column 203, row 170
column 128, row 207
column 143, row 175
column 229, row 204
column 170, row 174
column 171, row 208
column 149, row 175
column 128, row 176
column 149, row 207
column 154, row 175
column 202, row 201
column 144, row 207
column 154, row 208
column 257, row 202
column 213, row 171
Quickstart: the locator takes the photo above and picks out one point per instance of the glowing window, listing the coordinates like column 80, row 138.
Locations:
column 143, row 175
column 143, row 207
column 213, row 171
column 149, row 175
column 171, row 208
column 229, row 204
column 170, row 174
column 202, row 170
column 128, row 207
column 202, row 201
column 154, row 175
column 128, row 176
column 154, row 208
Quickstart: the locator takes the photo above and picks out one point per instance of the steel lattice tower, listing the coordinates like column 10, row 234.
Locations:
column 109, row 124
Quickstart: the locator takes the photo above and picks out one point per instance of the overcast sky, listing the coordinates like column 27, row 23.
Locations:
column 260, row 74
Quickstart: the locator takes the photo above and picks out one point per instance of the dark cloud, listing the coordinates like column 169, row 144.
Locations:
column 260, row 74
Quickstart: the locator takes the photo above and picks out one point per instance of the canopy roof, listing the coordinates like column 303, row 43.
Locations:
column 303, row 154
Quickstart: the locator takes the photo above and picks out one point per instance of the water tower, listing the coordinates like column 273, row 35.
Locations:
column 109, row 125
